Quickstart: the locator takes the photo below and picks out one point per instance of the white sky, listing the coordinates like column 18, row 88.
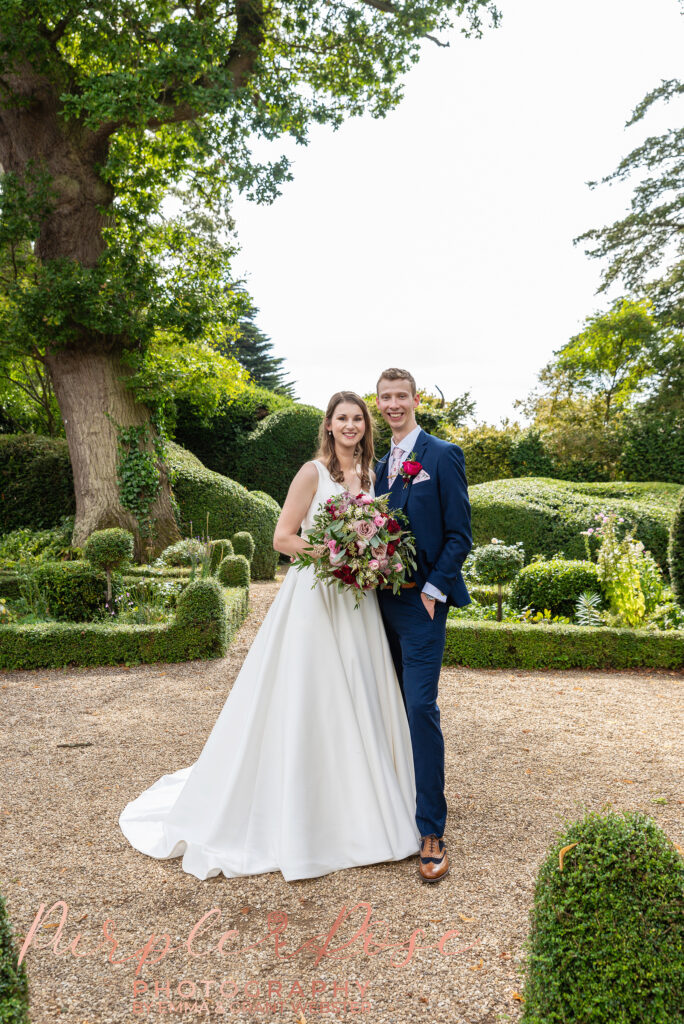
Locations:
column 440, row 238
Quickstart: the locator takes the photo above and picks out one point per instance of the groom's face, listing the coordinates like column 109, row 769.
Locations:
column 397, row 405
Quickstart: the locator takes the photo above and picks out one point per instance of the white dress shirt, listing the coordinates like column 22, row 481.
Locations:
column 406, row 445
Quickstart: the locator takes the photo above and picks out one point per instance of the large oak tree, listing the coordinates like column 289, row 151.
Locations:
column 105, row 106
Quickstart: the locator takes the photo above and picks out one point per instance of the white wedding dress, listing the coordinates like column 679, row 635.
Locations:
column 309, row 767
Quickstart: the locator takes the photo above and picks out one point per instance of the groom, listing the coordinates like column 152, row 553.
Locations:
column 425, row 477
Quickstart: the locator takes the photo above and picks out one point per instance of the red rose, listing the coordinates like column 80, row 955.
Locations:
column 411, row 468
column 393, row 526
column 391, row 548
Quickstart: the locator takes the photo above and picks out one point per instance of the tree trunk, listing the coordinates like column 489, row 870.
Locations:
column 87, row 386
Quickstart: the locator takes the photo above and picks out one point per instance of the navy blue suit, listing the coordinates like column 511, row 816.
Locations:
column 438, row 512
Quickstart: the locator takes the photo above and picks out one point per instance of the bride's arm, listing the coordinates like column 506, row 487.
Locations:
column 299, row 497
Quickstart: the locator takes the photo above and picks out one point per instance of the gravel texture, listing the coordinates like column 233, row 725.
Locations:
column 525, row 751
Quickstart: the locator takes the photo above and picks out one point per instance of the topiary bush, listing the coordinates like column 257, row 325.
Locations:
column 243, row 544
column 201, row 613
column 74, row 591
column 548, row 516
column 675, row 552
column 272, row 454
column 607, row 931
column 234, row 571
column 36, row 482
column 230, row 507
column 184, row 552
column 496, row 564
column 109, row 550
column 220, row 549
column 14, row 1002
column 555, row 585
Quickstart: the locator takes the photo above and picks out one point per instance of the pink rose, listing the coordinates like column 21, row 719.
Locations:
column 365, row 499
column 381, row 551
column 398, row 567
column 373, row 564
column 364, row 528
column 334, row 547
column 378, row 519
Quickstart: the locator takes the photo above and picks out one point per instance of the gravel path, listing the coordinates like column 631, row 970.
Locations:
column 525, row 750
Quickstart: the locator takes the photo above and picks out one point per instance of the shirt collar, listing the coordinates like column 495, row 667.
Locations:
column 408, row 443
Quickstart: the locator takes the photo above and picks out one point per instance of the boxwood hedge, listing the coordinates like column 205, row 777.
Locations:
column 37, row 487
column 271, row 455
column 607, row 938
column 548, row 515
column 14, row 993
column 479, row 644
column 230, row 506
column 207, row 617
column 555, row 585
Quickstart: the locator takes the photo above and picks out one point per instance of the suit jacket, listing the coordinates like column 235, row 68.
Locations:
column 438, row 512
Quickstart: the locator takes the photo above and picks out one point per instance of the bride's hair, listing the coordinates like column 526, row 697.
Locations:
column 326, row 443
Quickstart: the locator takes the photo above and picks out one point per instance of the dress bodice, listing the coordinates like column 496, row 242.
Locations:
column 326, row 488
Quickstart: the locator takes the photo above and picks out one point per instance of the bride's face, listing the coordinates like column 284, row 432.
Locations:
column 347, row 425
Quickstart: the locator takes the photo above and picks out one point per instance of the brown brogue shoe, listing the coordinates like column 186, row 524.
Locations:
column 434, row 862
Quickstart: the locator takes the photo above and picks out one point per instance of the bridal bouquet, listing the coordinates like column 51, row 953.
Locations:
column 365, row 544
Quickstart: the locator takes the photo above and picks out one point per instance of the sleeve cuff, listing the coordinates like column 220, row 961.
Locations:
column 433, row 592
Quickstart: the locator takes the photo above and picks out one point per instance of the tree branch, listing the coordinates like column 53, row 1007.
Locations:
column 389, row 8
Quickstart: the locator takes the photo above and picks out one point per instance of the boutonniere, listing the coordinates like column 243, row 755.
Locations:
column 410, row 469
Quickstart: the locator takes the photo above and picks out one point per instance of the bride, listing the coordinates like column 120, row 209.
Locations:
column 308, row 768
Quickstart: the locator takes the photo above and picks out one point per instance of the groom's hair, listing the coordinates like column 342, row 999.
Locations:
column 394, row 373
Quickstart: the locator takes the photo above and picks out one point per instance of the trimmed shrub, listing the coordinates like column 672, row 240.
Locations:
column 36, row 482
column 217, row 439
column 675, row 552
column 243, row 544
column 109, row 550
column 231, row 508
column 555, row 585
column 234, row 571
column 529, row 456
column 201, row 613
column 74, row 591
column 14, row 1000
column 183, row 552
column 272, row 454
column 548, row 516
column 497, row 564
column 220, row 549
column 607, row 931
column 522, row 645
column 58, row 644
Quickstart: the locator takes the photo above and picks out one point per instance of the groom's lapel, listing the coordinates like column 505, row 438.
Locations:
column 381, row 474
column 401, row 489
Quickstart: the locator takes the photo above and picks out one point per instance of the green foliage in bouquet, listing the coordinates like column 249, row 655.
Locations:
column 496, row 564
column 359, row 553
column 109, row 550
column 14, row 1001
column 243, row 544
column 607, row 937
column 555, row 585
column 234, row 571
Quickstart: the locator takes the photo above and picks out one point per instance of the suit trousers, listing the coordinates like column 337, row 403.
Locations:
column 417, row 645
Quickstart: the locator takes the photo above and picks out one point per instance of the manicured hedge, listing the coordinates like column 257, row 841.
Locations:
column 523, row 645
column 271, row 455
column 675, row 552
column 197, row 491
column 606, row 943
column 555, row 585
column 653, row 448
column 14, row 993
column 36, row 482
column 201, row 629
column 548, row 516
column 231, row 508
